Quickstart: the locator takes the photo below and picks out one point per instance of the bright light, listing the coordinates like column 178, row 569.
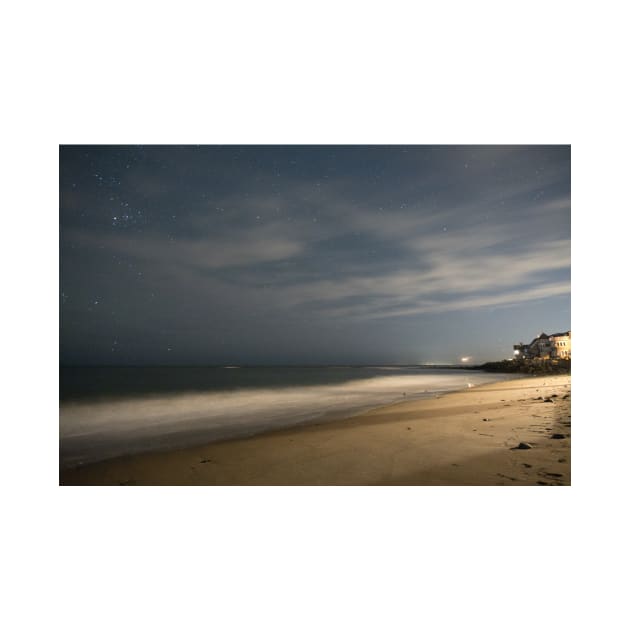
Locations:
column 465, row 359
column 516, row 352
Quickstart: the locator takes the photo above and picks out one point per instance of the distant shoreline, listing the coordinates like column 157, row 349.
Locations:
column 507, row 365
column 274, row 365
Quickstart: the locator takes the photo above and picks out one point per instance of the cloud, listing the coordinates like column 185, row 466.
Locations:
column 443, row 273
column 333, row 249
column 508, row 298
column 202, row 253
column 421, row 267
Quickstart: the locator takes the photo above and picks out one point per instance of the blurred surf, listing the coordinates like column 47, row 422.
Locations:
column 138, row 411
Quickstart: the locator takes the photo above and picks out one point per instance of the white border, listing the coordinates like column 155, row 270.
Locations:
column 281, row 72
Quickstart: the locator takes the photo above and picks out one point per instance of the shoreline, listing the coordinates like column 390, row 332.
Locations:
column 465, row 437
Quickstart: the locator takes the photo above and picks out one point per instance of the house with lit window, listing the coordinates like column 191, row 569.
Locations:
column 561, row 345
column 556, row 346
column 540, row 347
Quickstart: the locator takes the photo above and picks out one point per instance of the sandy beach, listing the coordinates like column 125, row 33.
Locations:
column 468, row 437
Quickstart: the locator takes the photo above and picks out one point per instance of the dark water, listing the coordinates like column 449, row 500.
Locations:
column 81, row 383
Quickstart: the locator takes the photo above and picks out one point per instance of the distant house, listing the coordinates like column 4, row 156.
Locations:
column 540, row 347
column 556, row 346
column 561, row 345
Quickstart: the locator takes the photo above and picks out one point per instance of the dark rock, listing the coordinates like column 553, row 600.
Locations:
column 558, row 436
column 548, row 400
column 523, row 446
column 526, row 366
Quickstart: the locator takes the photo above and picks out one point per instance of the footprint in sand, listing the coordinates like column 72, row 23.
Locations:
column 507, row 477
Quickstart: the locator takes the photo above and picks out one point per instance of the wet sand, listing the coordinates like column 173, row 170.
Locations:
column 469, row 437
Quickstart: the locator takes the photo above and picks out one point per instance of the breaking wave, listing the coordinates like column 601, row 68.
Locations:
column 96, row 430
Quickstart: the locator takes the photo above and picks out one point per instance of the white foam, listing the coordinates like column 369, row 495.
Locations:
column 91, row 431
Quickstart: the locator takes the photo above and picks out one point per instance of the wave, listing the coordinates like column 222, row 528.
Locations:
column 96, row 430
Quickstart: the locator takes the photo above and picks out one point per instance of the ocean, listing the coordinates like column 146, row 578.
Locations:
column 110, row 411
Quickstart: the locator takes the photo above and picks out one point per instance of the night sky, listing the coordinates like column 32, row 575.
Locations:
column 216, row 255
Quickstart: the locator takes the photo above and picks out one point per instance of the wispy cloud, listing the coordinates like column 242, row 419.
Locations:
column 201, row 253
column 452, row 280
column 427, row 262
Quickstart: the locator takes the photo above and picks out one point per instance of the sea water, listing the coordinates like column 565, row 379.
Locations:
column 107, row 411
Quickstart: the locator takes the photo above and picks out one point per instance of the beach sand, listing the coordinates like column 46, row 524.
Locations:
column 463, row 438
